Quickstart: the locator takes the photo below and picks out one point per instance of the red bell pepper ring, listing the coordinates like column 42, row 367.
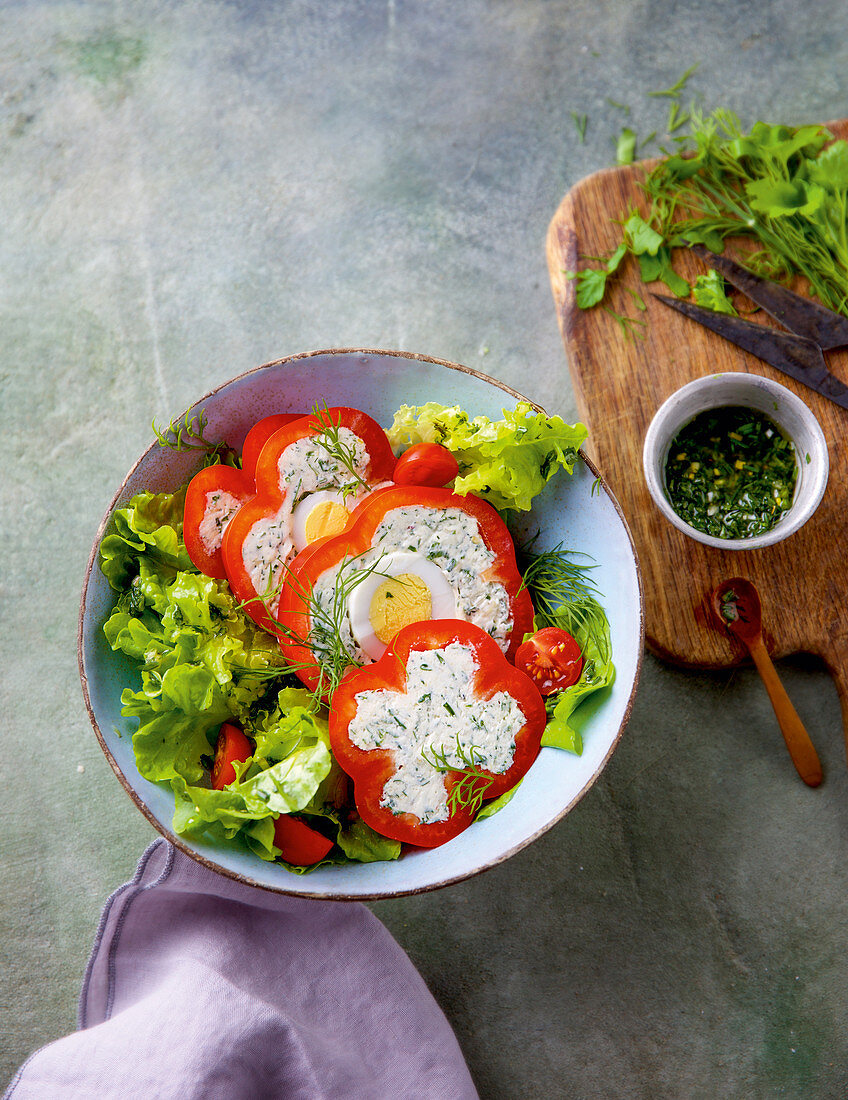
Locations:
column 269, row 510
column 312, row 563
column 372, row 768
column 259, row 435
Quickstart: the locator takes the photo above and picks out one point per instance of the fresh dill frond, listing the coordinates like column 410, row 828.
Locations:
column 329, row 438
column 187, row 435
column 675, row 90
column 469, row 792
column 332, row 655
column 581, row 122
column 554, row 578
column 565, row 595
column 585, row 618
column 271, row 672
column 287, row 668
column 629, row 325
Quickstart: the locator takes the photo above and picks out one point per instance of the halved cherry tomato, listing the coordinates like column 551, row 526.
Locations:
column 551, row 658
column 213, row 497
column 232, row 746
column 426, row 464
column 298, row 843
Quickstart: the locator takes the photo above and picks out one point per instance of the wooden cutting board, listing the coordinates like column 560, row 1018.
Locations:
column 620, row 383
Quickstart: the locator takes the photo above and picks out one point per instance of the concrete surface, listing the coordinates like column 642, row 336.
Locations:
column 189, row 190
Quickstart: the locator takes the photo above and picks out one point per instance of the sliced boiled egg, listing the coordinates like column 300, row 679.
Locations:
column 403, row 588
column 320, row 514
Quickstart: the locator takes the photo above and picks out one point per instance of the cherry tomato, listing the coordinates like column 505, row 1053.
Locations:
column 298, row 843
column 426, row 464
column 232, row 746
column 551, row 658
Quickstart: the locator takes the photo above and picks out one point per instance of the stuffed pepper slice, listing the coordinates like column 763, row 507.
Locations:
column 440, row 724
column 216, row 493
column 411, row 554
column 309, row 476
column 213, row 497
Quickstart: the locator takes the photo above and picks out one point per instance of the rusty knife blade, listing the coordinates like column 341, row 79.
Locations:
column 800, row 315
column 796, row 356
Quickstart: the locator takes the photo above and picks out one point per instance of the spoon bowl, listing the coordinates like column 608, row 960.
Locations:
column 737, row 603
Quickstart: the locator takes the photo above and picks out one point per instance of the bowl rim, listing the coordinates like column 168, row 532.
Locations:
column 655, row 444
column 324, row 895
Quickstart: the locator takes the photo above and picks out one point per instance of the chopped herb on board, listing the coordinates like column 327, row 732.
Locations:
column 783, row 188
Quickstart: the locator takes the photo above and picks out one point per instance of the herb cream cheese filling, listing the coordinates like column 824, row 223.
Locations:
column 436, row 725
column 321, row 462
column 221, row 506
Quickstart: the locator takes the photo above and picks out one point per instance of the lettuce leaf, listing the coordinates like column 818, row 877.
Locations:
column 202, row 662
column 507, row 462
column 149, row 528
column 587, row 623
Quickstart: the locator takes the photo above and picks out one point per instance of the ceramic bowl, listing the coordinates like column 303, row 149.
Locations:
column 578, row 511
column 791, row 415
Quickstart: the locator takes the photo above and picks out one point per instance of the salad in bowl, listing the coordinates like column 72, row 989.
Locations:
column 332, row 638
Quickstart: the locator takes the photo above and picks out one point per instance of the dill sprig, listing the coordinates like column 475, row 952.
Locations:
column 326, row 639
column 469, row 792
column 553, row 578
column 564, row 595
column 187, row 435
column 324, row 688
column 329, row 439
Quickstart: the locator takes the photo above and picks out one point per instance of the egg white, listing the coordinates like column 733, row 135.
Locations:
column 395, row 564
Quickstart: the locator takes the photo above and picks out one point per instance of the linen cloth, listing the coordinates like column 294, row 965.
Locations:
column 200, row 986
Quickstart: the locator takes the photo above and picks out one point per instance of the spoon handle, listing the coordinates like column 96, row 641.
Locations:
column 801, row 749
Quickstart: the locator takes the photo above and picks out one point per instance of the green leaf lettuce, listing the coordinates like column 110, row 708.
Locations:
column 507, row 462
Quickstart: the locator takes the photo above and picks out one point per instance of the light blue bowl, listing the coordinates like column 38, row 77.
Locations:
column 575, row 511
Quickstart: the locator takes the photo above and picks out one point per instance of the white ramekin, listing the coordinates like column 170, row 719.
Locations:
column 790, row 414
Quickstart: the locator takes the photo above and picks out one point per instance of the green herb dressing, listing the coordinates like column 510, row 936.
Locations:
column 731, row 473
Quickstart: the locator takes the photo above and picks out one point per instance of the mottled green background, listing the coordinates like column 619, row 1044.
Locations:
column 189, row 190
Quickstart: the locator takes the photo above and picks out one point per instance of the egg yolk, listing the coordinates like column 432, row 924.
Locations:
column 398, row 602
column 327, row 518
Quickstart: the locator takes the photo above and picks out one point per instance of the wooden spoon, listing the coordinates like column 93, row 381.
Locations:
column 737, row 604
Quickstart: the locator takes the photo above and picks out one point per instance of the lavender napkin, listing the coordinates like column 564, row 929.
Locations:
column 199, row 986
